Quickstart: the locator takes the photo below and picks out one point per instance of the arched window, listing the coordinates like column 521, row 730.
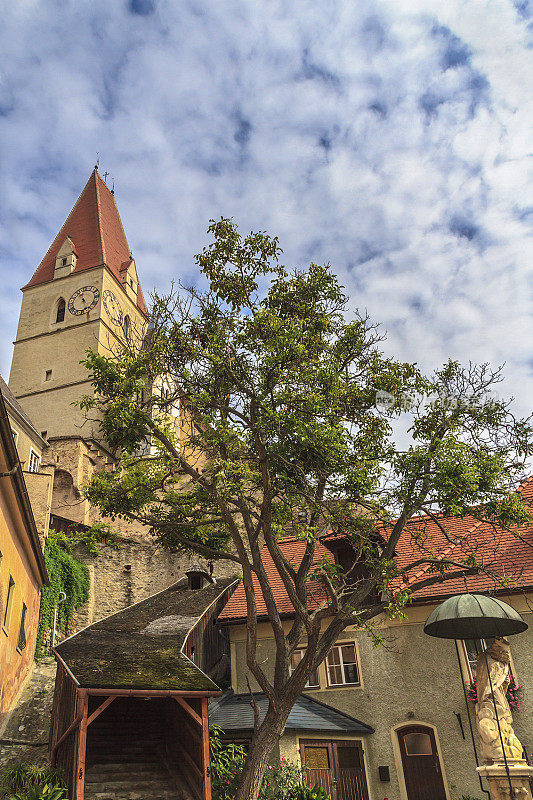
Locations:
column 127, row 327
column 60, row 313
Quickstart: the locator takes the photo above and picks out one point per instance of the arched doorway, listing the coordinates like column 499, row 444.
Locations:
column 422, row 770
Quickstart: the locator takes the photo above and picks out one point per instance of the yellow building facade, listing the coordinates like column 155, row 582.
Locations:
column 22, row 571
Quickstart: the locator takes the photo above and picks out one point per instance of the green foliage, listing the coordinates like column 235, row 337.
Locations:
column 278, row 382
column 66, row 574
column 44, row 792
column 281, row 382
column 283, row 781
column 227, row 761
column 26, row 781
column 89, row 539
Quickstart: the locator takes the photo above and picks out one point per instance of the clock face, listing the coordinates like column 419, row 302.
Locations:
column 83, row 300
column 112, row 307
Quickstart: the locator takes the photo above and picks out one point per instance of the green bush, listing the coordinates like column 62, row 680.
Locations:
column 45, row 792
column 227, row 761
column 284, row 781
column 27, row 781
column 66, row 574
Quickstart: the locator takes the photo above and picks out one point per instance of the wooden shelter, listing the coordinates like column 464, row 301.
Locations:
column 131, row 695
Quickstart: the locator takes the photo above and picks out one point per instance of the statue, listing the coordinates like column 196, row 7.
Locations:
column 492, row 701
column 489, row 702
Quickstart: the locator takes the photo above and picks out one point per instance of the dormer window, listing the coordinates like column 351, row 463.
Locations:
column 65, row 259
column 197, row 577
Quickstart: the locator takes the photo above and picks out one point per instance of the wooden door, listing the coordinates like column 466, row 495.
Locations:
column 318, row 759
column 336, row 766
column 350, row 766
column 421, row 764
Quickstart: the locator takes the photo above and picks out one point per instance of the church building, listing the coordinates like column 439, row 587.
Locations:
column 84, row 294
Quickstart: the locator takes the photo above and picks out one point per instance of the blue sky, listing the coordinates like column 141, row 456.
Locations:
column 392, row 139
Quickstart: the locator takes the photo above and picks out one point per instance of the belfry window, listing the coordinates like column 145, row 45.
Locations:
column 60, row 313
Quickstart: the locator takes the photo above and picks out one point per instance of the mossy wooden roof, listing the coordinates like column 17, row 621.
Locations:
column 140, row 647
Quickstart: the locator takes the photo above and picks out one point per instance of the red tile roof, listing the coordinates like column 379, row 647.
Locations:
column 96, row 231
column 509, row 553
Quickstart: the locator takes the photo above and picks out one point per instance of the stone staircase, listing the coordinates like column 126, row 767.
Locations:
column 125, row 754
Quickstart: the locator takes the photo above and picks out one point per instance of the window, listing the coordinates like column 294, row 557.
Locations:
column 48, row 374
column 317, row 757
column 127, row 327
column 342, row 666
column 313, row 682
column 63, row 264
column 21, row 644
column 472, row 648
column 418, row 744
column 34, row 462
column 9, row 604
column 15, row 437
column 60, row 313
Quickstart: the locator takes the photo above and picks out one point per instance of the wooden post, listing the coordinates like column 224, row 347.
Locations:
column 206, row 765
column 82, row 746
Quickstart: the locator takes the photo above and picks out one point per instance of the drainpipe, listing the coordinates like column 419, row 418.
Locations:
column 62, row 598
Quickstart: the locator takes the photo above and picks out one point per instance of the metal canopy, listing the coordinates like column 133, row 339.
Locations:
column 473, row 616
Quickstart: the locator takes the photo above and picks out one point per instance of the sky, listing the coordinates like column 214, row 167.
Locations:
column 390, row 139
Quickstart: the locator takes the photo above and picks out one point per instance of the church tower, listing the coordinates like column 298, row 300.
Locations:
column 84, row 294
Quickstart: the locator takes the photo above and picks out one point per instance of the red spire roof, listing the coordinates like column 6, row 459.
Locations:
column 97, row 235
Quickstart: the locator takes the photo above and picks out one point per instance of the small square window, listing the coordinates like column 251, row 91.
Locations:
column 63, row 262
column 48, row 374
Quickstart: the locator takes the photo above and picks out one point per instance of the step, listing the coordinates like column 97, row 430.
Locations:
column 170, row 794
column 129, row 785
column 124, row 766
column 112, row 758
column 118, row 774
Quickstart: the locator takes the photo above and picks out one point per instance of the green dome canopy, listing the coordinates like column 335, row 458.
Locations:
column 473, row 616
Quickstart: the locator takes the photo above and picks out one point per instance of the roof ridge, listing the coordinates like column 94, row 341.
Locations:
column 99, row 217
column 122, row 227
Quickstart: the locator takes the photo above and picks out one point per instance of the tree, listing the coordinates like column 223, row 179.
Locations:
column 279, row 384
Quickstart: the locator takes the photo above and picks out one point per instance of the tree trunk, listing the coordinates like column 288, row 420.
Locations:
column 263, row 742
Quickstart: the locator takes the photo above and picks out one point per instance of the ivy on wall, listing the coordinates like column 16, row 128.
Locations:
column 88, row 538
column 66, row 574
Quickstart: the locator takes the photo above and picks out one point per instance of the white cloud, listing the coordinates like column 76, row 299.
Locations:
column 390, row 138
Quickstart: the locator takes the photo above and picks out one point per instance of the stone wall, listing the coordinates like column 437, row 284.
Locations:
column 39, row 486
